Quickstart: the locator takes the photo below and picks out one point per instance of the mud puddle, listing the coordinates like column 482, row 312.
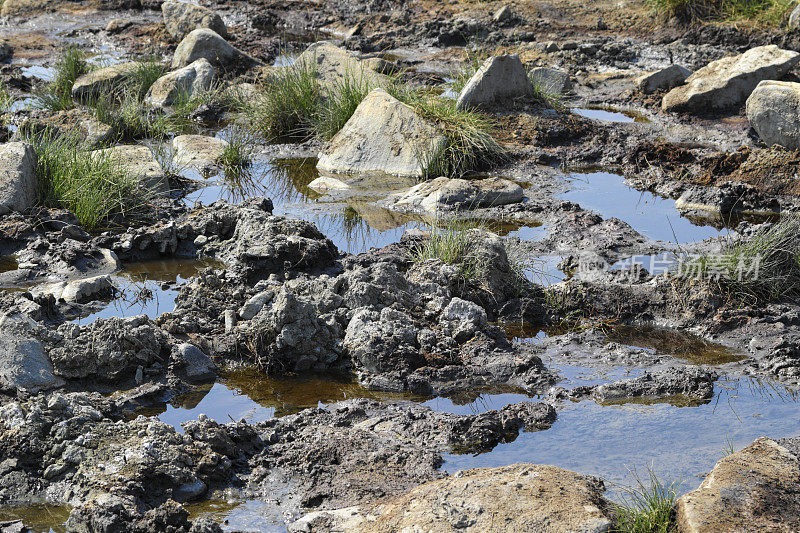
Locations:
column 149, row 288
column 650, row 215
column 38, row 518
column 679, row 443
column 250, row 395
column 691, row 348
column 609, row 114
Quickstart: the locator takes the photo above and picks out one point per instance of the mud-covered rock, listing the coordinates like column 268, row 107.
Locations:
column 726, row 83
column 500, row 79
column 181, row 18
column 110, row 349
column 18, row 182
column 691, row 383
column 519, row 497
column 754, row 489
column 383, row 135
column 185, row 82
column 24, row 365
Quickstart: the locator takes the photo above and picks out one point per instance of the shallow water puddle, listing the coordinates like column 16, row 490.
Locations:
column 149, row 288
column 8, row 263
column 691, row 348
column 609, row 114
column 354, row 226
column 650, row 215
column 251, row 395
column 679, row 443
column 39, row 518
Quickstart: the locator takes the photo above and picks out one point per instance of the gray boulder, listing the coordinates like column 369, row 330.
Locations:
column 450, row 194
column 24, row 365
column 726, row 83
column 551, row 80
column 333, row 65
column 773, row 110
column 666, row 78
column 383, row 135
column 103, row 80
column 794, row 18
column 140, row 163
column 198, row 151
column 183, row 17
column 754, row 489
column 196, row 365
column 207, row 44
column 503, row 15
column 499, row 79
column 187, row 81
column 18, row 183
column 79, row 290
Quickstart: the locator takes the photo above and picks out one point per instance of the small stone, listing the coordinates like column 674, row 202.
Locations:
column 181, row 18
column 230, row 320
column 18, row 182
column 663, row 79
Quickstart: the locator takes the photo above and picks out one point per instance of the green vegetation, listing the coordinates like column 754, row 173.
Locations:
column 286, row 107
column 6, row 100
column 450, row 242
column 545, row 95
column 93, row 187
column 756, row 269
column 57, row 95
column 470, row 142
column 764, row 12
column 341, row 103
column 647, row 507
column 237, row 155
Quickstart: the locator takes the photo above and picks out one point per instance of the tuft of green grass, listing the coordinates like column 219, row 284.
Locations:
column 462, row 74
column 647, row 507
column 756, row 269
column 95, row 188
column 545, row 95
column 729, row 448
column 6, row 100
column 287, row 107
column 471, row 145
column 763, row 12
column 57, row 95
column 237, row 156
column 340, row 104
column 144, row 76
column 449, row 241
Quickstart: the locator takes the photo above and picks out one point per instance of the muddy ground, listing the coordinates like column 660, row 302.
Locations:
column 341, row 372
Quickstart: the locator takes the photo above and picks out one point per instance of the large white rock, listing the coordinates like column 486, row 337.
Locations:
column 383, row 135
column 103, row 80
column 183, row 17
column 207, row 44
column 200, row 152
column 445, row 193
column 78, row 290
column 726, row 83
column 755, row 489
column 186, row 81
column 333, row 64
column 499, row 78
column 18, row 182
column 773, row 110
column 666, row 78
column 140, row 163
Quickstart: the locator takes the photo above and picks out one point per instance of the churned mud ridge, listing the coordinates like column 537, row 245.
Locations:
column 75, row 448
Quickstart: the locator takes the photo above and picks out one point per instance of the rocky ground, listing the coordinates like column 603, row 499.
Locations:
column 666, row 139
